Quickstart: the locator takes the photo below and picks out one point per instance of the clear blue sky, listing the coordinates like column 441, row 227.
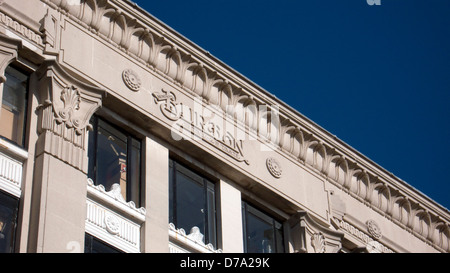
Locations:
column 377, row 77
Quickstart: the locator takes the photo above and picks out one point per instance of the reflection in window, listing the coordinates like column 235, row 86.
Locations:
column 262, row 233
column 115, row 158
column 94, row 245
column 14, row 104
column 8, row 218
column 192, row 202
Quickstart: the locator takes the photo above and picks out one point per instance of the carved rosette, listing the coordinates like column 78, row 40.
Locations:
column 274, row 167
column 373, row 229
column 112, row 224
column 131, row 80
column 66, row 105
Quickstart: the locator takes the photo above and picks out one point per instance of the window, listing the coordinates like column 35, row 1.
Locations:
column 94, row 245
column 14, row 105
column 192, row 202
column 262, row 233
column 115, row 158
column 8, row 219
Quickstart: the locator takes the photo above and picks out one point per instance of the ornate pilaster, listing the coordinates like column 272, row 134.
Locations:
column 59, row 183
column 66, row 105
column 309, row 236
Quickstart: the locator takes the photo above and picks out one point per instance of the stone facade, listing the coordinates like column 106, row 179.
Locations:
column 112, row 59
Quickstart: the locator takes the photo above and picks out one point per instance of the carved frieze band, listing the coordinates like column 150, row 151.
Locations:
column 10, row 174
column 112, row 219
column 112, row 227
column 21, row 29
column 295, row 136
column 370, row 241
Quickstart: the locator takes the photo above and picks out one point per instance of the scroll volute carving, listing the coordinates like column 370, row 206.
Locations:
column 65, row 106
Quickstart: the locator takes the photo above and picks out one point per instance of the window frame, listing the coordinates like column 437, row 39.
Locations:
column 248, row 208
column 211, row 232
column 92, row 165
column 18, row 67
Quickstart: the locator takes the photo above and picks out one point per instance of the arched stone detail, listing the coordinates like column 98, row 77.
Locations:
column 9, row 49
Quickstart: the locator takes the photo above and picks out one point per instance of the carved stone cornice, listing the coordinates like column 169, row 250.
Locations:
column 65, row 107
column 151, row 44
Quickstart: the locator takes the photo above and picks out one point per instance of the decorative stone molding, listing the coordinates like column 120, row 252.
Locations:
column 21, row 29
column 131, row 80
column 66, row 105
column 373, row 229
column 114, row 198
column 307, row 235
column 274, row 167
column 50, row 28
column 9, row 49
column 299, row 139
column 112, row 223
column 112, row 228
column 110, row 218
column 180, row 242
column 166, row 101
column 366, row 240
column 318, row 242
column 10, row 175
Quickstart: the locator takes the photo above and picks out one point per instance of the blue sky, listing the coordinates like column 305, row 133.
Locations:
column 376, row 76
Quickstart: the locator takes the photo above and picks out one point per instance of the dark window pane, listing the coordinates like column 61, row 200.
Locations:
column 211, row 214
column 134, row 172
column 13, row 108
column 111, row 157
column 8, row 217
column 115, row 158
column 259, row 235
column 192, row 202
column 94, row 245
column 262, row 234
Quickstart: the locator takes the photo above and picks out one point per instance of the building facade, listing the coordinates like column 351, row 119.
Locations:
column 120, row 135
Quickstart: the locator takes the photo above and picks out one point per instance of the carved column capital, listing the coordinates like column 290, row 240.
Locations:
column 65, row 106
column 309, row 235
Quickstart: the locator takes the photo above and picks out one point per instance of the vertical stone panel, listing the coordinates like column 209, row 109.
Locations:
column 156, row 227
